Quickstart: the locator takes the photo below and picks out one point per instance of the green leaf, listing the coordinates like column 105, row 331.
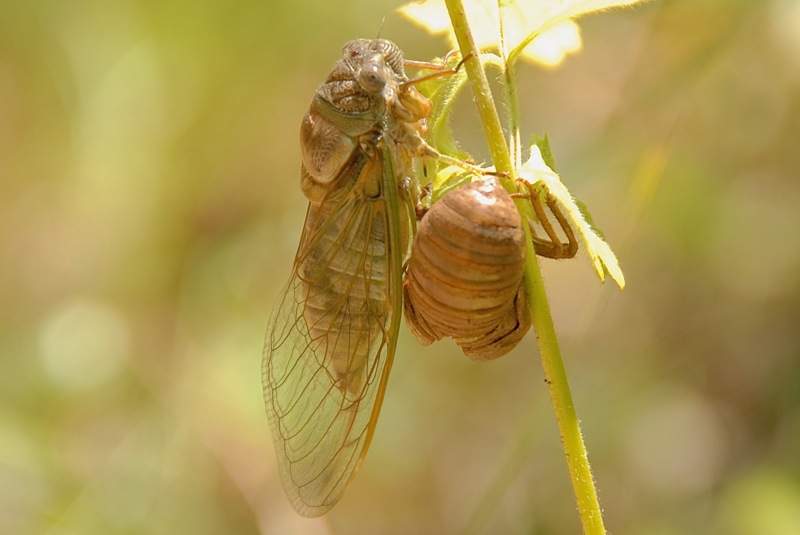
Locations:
column 588, row 217
column 449, row 179
column 442, row 92
column 543, row 142
column 537, row 173
column 547, row 23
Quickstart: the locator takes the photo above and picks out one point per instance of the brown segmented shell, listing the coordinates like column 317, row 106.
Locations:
column 464, row 277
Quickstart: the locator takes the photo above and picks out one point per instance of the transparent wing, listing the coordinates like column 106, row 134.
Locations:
column 330, row 344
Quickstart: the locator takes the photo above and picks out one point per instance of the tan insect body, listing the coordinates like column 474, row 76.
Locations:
column 332, row 335
column 464, row 277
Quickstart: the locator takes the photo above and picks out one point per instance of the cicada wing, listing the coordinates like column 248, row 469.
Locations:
column 329, row 346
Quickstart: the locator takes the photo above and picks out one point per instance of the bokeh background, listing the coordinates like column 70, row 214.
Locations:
column 149, row 214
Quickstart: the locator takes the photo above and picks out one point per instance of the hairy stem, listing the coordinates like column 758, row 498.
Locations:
column 487, row 111
column 556, row 377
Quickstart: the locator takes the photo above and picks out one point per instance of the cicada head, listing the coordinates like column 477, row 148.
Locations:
column 355, row 51
column 363, row 98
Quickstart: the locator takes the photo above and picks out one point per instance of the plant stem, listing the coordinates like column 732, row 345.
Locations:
column 513, row 114
column 510, row 87
column 555, row 374
column 487, row 111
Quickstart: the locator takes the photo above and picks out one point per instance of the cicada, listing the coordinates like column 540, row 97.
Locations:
column 332, row 334
column 464, row 277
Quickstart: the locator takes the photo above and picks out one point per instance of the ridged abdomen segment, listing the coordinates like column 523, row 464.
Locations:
column 464, row 278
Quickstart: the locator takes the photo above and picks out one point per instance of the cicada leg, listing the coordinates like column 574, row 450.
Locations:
column 423, row 202
column 427, row 151
column 441, row 67
column 413, row 105
column 420, row 106
column 552, row 247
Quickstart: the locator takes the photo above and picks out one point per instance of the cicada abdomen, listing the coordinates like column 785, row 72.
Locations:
column 464, row 277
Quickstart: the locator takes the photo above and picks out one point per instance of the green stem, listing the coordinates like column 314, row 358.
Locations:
column 487, row 111
column 510, row 87
column 513, row 114
column 555, row 374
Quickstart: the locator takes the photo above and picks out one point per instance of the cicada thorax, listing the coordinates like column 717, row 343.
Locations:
column 362, row 100
column 464, row 276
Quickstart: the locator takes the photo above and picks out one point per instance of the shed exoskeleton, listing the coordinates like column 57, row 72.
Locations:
column 464, row 279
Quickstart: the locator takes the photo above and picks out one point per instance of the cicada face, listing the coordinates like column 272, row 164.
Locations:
column 332, row 335
column 464, row 277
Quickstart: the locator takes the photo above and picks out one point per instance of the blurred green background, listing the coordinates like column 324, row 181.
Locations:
column 149, row 214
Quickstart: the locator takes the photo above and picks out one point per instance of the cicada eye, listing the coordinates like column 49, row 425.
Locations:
column 371, row 77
